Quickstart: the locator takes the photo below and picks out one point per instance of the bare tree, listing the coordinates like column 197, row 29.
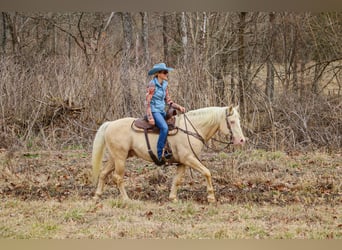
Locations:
column 241, row 60
column 269, row 91
column 184, row 36
column 4, row 32
column 219, row 56
column 127, row 25
column 165, row 38
column 11, row 20
column 144, row 37
column 326, row 30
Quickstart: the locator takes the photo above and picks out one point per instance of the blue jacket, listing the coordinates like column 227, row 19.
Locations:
column 156, row 97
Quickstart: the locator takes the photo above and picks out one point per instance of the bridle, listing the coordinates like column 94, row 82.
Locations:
column 199, row 137
column 230, row 131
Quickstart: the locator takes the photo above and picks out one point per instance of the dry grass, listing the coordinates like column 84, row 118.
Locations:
column 261, row 195
column 77, row 218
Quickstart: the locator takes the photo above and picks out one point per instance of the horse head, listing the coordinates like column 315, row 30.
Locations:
column 231, row 125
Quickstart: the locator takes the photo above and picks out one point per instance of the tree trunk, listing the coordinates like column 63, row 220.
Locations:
column 269, row 91
column 232, row 87
column 82, row 39
column 184, row 36
column 144, row 38
column 302, row 78
column 12, row 25
column 69, row 37
column 315, row 82
column 4, row 33
column 127, row 31
column 127, row 49
column 241, row 61
column 294, row 72
column 165, row 40
column 54, row 40
column 294, row 58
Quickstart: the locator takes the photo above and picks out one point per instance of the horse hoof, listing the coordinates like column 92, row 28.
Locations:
column 211, row 200
column 173, row 200
column 127, row 200
column 96, row 197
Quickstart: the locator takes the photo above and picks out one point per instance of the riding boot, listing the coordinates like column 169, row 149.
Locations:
column 161, row 162
column 167, row 151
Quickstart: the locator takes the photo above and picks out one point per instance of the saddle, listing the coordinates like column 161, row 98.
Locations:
column 142, row 123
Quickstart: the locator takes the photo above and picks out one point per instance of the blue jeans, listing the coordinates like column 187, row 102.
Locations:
column 159, row 119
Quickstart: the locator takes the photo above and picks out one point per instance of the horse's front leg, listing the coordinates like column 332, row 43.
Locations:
column 197, row 165
column 177, row 180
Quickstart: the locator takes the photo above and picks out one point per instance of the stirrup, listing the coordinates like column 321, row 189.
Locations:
column 167, row 154
column 167, row 151
column 160, row 162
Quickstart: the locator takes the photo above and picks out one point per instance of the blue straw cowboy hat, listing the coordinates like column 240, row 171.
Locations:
column 159, row 67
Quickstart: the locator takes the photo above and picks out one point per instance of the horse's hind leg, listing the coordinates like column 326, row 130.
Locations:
column 109, row 167
column 177, row 180
column 119, row 177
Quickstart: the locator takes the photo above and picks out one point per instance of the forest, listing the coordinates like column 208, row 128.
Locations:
column 65, row 73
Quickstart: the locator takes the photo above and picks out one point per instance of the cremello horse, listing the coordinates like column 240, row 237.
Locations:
column 122, row 142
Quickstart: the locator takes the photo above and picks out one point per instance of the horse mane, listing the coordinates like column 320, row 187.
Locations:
column 207, row 116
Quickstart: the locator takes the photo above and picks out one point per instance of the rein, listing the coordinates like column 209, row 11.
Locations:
column 186, row 131
column 196, row 135
column 199, row 137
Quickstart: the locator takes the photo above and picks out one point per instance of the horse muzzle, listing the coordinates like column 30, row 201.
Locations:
column 238, row 140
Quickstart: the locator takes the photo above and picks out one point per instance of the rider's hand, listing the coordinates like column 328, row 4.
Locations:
column 182, row 109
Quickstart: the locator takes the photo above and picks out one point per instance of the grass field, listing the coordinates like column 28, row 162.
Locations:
column 261, row 195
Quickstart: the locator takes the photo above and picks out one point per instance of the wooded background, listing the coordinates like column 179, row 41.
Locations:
column 63, row 74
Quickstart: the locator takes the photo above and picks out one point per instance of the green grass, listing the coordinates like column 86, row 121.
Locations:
column 74, row 214
column 42, row 230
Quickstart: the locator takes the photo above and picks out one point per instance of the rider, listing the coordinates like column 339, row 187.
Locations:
column 156, row 97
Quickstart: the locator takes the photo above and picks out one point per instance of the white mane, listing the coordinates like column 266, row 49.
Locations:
column 207, row 116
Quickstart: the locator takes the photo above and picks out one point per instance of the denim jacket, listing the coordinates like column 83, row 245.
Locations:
column 156, row 97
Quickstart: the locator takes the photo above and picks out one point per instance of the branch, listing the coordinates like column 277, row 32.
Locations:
column 61, row 29
column 109, row 20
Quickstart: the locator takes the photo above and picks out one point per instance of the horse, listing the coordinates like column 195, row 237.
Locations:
column 122, row 142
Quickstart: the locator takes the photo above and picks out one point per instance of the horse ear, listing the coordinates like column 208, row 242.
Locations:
column 237, row 107
column 230, row 110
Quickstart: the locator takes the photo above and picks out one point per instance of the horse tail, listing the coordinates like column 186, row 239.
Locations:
column 98, row 151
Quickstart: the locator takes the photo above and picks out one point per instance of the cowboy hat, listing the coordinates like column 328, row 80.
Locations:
column 159, row 67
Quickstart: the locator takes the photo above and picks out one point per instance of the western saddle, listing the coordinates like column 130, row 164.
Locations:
column 142, row 125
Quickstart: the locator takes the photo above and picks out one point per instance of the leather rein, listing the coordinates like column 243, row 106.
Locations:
column 195, row 134
column 199, row 137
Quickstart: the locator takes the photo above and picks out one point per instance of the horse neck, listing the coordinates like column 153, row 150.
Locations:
column 206, row 126
column 210, row 132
